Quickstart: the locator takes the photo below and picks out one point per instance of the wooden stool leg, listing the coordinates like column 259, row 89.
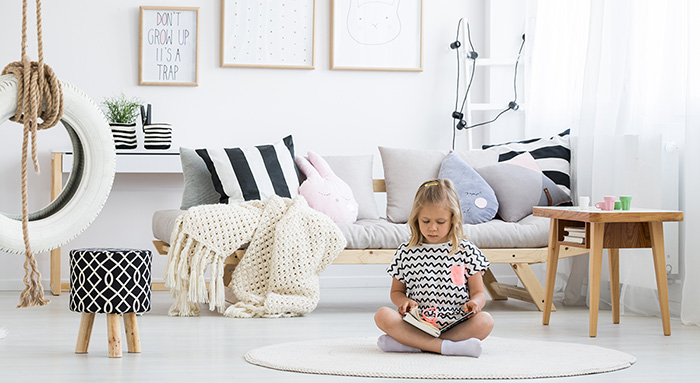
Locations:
column 114, row 335
column 86, row 321
column 133, row 342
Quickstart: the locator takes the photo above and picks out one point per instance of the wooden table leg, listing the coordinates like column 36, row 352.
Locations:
column 56, row 186
column 86, row 321
column 552, row 261
column 595, row 263
column 659, row 253
column 114, row 335
column 614, row 263
column 133, row 342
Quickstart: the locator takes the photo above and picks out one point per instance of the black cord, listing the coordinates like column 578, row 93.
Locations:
column 511, row 106
column 488, row 122
column 471, row 78
column 454, row 121
column 515, row 74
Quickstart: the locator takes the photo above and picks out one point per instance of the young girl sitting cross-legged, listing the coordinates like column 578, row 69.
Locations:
column 439, row 271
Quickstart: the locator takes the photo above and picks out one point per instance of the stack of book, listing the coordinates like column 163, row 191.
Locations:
column 575, row 234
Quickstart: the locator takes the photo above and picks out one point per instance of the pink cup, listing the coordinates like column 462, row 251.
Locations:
column 607, row 204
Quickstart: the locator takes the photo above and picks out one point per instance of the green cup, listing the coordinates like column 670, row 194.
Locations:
column 618, row 205
column 625, row 202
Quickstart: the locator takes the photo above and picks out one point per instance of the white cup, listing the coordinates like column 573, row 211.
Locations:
column 584, row 202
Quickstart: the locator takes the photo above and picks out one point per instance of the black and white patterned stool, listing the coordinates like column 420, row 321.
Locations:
column 112, row 282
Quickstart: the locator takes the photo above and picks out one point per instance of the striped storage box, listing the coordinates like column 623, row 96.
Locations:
column 157, row 136
column 124, row 135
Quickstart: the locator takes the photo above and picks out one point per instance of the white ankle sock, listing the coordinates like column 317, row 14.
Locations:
column 470, row 347
column 389, row 344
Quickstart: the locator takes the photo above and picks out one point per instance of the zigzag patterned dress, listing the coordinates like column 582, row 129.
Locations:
column 436, row 278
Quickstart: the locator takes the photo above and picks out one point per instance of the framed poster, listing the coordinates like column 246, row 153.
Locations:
column 168, row 42
column 268, row 34
column 377, row 35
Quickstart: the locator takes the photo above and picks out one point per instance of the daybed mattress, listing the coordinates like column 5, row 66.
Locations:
column 529, row 232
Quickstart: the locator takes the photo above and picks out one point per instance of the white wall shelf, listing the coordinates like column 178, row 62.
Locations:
column 136, row 161
column 132, row 161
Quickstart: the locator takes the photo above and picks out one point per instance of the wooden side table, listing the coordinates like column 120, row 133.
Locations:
column 612, row 230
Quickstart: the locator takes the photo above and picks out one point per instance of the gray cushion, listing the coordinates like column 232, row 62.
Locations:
column 529, row 232
column 518, row 189
column 163, row 223
column 406, row 169
column 356, row 171
column 476, row 198
column 199, row 189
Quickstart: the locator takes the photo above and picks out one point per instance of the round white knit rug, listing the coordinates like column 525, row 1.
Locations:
column 501, row 359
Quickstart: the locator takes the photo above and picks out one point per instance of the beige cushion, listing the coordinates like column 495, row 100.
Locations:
column 356, row 171
column 406, row 169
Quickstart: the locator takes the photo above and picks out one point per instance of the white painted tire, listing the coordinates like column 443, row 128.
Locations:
column 90, row 180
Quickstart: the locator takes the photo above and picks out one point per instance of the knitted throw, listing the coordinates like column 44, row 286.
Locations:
column 290, row 244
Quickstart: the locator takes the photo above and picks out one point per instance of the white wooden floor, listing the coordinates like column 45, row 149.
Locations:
column 41, row 341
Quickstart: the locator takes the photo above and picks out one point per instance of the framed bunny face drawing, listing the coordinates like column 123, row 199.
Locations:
column 377, row 35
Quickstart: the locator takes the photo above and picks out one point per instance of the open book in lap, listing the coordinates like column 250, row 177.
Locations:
column 415, row 318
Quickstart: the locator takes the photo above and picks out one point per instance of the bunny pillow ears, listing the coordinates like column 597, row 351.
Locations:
column 326, row 192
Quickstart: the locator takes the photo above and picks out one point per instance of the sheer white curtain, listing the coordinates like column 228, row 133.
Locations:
column 617, row 73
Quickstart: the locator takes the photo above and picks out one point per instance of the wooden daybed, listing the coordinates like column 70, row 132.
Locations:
column 519, row 259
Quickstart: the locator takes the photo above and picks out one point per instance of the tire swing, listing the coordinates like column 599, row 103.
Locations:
column 29, row 93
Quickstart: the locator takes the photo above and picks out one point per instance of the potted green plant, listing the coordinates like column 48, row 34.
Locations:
column 121, row 114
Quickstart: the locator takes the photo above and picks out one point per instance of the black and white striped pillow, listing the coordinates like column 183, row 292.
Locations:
column 256, row 173
column 552, row 155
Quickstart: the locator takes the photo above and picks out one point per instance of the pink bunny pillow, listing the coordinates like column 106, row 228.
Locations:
column 324, row 191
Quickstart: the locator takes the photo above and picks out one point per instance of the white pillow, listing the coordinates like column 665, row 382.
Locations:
column 356, row 171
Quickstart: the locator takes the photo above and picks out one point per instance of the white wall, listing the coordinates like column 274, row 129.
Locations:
column 94, row 45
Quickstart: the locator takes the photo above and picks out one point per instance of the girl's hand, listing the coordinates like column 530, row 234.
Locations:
column 408, row 305
column 471, row 306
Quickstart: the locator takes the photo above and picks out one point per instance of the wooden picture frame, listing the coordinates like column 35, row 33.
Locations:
column 168, row 45
column 377, row 35
column 268, row 34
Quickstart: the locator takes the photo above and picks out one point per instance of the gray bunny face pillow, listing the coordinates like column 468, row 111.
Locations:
column 324, row 191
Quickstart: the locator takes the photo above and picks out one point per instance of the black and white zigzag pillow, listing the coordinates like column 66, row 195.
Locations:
column 552, row 155
column 255, row 173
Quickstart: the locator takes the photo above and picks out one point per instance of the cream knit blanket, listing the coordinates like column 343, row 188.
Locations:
column 290, row 244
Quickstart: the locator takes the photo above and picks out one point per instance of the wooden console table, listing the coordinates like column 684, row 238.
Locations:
column 128, row 161
column 613, row 230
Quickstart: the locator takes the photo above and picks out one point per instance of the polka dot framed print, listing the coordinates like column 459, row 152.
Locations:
column 268, row 34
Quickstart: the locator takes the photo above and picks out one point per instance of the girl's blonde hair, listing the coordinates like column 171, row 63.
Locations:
column 440, row 192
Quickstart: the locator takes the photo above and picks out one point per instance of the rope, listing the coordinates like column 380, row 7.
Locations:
column 39, row 96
